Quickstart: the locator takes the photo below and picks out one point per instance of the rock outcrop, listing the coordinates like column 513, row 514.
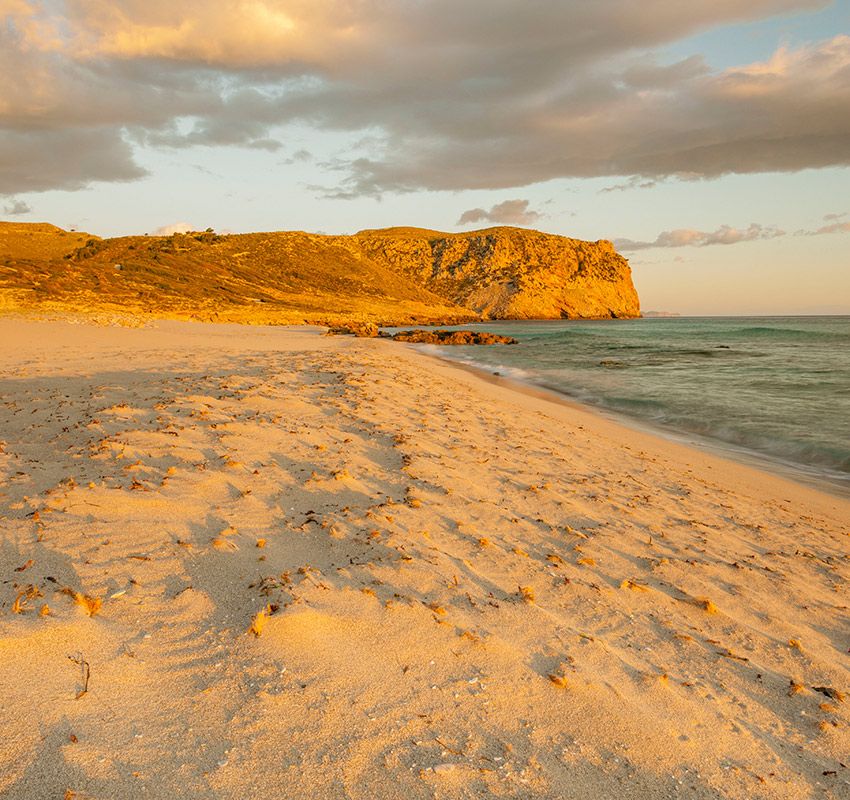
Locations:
column 508, row 273
column 452, row 337
column 362, row 330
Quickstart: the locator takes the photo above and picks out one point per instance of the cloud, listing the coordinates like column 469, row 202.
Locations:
column 334, row 34
column 509, row 212
column 687, row 237
column 298, row 156
column 38, row 160
column 176, row 227
column 16, row 208
column 833, row 227
column 506, row 95
column 633, row 183
column 788, row 114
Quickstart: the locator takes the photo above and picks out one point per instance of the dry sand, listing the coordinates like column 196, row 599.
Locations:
column 477, row 593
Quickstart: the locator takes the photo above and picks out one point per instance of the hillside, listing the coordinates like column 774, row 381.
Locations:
column 37, row 240
column 399, row 275
column 509, row 273
column 258, row 278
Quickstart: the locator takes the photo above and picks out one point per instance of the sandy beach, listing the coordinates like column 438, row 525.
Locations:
column 261, row 562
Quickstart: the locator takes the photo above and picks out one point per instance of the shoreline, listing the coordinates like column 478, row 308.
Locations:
column 326, row 566
column 830, row 483
column 646, row 435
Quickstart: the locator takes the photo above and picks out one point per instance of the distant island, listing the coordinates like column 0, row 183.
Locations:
column 388, row 276
column 660, row 314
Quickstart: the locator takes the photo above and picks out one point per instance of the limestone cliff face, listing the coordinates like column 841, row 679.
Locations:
column 508, row 273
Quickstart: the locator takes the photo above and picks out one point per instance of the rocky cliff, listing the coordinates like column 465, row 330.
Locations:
column 508, row 273
column 398, row 275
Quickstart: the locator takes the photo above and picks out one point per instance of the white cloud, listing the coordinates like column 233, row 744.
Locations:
column 832, row 227
column 509, row 212
column 688, row 237
column 15, row 208
column 635, row 182
column 176, row 227
column 726, row 234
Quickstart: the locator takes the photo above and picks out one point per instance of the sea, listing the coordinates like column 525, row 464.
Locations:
column 767, row 389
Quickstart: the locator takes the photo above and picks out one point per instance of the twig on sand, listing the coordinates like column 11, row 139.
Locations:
column 447, row 748
column 80, row 660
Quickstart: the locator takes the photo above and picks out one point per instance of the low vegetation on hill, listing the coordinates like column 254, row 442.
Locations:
column 396, row 276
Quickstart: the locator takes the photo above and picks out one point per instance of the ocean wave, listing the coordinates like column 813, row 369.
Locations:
column 769, row 331
column 776, row 388
column 494, row 368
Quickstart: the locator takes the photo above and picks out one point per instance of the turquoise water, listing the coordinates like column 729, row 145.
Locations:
column 774, row 386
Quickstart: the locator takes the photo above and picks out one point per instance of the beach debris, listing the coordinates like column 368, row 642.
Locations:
column 830, row 692
column 260, row 619
column 91, row 605
column 727, row 653
column 706, row 605
column 526, row 593
column 558, row 679
column 586, row 561
column 84, row 665
column 221, row 542
column 30, row 592
column 795, row 687
column 633, row 585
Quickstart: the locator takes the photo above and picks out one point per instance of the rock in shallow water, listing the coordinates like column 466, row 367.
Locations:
column 452, row 337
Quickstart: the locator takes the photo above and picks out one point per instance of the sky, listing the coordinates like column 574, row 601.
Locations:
column 710, row 140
